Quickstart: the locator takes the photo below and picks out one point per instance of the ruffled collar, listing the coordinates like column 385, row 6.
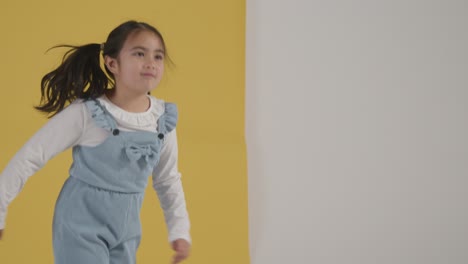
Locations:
column 145, row 120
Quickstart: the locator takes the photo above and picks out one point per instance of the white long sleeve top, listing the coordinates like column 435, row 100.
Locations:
column 74, row 126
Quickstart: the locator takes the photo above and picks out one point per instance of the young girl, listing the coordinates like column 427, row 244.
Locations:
column 120, row 135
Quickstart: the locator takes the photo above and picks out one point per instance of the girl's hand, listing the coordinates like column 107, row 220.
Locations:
column 181, row 248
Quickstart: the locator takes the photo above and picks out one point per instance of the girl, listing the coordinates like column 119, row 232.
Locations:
column 120, row 135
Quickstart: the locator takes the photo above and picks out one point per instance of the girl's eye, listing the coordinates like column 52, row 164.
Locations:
column 140, row 54
column 159, row 57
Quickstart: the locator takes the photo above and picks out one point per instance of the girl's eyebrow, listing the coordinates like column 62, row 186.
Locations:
column 145, row 49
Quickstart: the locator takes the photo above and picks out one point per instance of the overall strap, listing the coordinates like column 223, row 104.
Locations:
column 101, row 116
column 167, row 121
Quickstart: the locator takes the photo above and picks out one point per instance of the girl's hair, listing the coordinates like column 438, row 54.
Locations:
column 80, row 74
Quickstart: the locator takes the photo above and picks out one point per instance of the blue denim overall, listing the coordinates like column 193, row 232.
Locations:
column 97, row 214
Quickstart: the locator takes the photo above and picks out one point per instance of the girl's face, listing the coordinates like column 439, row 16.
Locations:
column 140, row 64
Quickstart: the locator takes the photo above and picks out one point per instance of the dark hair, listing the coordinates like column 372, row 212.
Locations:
column 80, row 74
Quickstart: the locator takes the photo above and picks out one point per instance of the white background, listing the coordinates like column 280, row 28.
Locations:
column 357, row 127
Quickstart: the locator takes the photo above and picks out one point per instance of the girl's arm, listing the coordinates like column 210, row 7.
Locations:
column 168, row 186
column 61, row 132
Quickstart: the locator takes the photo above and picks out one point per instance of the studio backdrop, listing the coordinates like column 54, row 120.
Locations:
column 205, row 40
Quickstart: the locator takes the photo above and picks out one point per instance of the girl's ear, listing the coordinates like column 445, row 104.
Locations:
column 111, row 64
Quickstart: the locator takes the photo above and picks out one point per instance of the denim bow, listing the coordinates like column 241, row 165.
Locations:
column 135, row 152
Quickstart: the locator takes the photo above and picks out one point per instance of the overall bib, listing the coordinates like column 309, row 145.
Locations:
column 97, row 214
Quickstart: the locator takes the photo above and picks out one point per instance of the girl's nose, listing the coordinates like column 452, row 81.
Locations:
column 150, row 65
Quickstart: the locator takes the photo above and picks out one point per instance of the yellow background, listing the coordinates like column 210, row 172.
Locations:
column 205, row 39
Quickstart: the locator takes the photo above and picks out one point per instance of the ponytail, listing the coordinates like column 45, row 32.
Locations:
column 79, row 76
